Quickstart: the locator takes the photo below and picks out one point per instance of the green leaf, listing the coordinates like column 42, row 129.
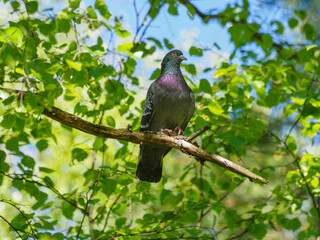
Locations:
column 74, row 4
column 58, row 236
column 193, row 196
column 108, row 186
column 31, row 48
column 173, row 9
column 205, row 86
column 155, row 74
column 225, row 71
column 12, row 34
column 4, row 167
column 125, row 47
column 13, row 144
column 156, row 41
column 119, row 208
column 45, row 170
column 309, row 32
column 101, row 6
column 123, row 33
column 235, row 140
column 19, row 124
column 98, row 144
column 9, row 100
column 304, row 55
column 267, row 43
column 190, row 68
column 79, row 154
column 273, row 98
column 168, row 44
column 280, row 27
column 42, row 144
column 116, row 90
column 195, row 51
column 291, row 142
column 110, row 121
column 32, row 6
column 15, row 5
column 189, row 217
column 120, row 222
column 192, row 11
column 9, row 56
column 62, row 24
column 302, row 14
column 309, row 67
column 293, row 22
column 258, row 230
column 28, row 161
column 75, row 65
column 286, row 53
column 8, row 121
column 67, row 210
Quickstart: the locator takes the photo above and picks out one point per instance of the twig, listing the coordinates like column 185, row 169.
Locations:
column 222, row 198
column 198, row 133
column 137, row 20
column 303, row 108
column 81, row 224
column 47, row 185
column 21, row 212
column 201, row 196
column 109, row 212
column 247, row 229
column 91, row 191
column 296, row 160
column 15, row 229
column 148, row 138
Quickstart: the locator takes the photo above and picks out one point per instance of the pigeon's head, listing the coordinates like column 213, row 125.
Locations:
column 173, row 58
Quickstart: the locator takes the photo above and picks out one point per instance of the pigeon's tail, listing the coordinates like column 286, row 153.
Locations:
column 150, row 163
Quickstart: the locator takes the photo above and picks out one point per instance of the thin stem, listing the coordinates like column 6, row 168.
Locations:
column 198, row 133
column 21, row 212
column 15, row 229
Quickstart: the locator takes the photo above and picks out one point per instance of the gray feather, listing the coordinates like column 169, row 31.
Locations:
column 169, row 104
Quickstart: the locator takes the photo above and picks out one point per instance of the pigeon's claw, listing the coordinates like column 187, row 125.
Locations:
column 178, row 130
column 166, row 130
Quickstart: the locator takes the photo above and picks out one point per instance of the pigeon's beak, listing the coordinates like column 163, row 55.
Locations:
column 183, row 58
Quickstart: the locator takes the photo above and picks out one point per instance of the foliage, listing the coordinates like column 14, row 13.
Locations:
column 59, row 183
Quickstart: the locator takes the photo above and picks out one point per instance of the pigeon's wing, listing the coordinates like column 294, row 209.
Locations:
column 190, row 112
column 148, row 110
column 150, row 158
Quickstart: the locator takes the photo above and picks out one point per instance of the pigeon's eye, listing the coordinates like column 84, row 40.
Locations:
column 174, row 53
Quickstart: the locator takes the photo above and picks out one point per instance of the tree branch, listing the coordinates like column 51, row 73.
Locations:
column 147, row 138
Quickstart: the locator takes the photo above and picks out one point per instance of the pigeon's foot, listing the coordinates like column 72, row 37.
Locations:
column 178, row 130
column 166, row 130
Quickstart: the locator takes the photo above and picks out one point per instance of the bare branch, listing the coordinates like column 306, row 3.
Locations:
column 198, row 133
column 147, row 138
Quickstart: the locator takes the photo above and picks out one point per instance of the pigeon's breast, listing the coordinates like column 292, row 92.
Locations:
column 172, row 103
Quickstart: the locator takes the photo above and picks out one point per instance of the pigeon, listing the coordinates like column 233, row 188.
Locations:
column 169, row 107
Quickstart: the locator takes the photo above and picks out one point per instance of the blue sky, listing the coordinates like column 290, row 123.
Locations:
column 168, row 26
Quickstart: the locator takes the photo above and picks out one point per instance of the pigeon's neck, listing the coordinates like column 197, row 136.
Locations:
column 171, row 70
column 172, row 78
